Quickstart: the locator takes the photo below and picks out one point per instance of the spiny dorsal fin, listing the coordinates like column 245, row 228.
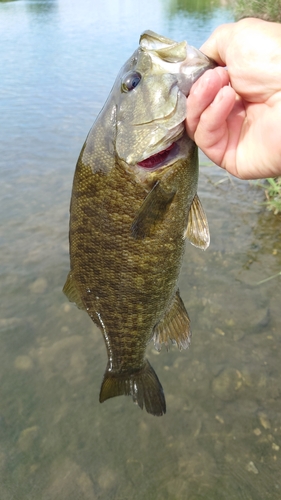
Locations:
column 197, row 231
column 143, row 386
column 174, row 326
column 152, row 211
column 72, row 292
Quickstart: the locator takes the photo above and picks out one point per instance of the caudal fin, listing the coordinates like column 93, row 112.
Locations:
column 143, row 386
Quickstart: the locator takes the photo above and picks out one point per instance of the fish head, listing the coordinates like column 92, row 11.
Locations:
column 151, row 105
column 142, row 122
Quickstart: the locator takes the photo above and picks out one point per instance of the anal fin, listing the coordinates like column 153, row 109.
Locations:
column 143, row 385
column 174, row 326
column 71, row 291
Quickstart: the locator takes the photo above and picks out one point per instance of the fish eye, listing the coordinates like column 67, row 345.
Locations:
column 130, row 81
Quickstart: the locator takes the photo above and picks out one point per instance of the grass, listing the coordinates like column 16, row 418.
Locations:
column 268, row 279
column 272, row 189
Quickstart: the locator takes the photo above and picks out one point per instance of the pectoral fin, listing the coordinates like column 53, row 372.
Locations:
column 71, row 291
column 197, row 231
column 152, row 211
column 174, row 326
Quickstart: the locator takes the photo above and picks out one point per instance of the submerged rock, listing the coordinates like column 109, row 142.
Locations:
column 27, row 438
column 38, row 286
column 226, row 384
column 250, row 467
column 69, row 482
column 23, row 363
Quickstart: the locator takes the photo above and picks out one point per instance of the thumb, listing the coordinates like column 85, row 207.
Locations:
column 216, row 45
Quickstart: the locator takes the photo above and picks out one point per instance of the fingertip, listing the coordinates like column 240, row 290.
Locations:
column 223, row 75
column 208, row 84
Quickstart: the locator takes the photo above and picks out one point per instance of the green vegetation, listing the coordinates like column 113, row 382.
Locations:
column 269, row 10
column 201, row 7
column 272, row 189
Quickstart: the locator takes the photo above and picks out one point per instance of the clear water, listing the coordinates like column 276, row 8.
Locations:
column 221, row 436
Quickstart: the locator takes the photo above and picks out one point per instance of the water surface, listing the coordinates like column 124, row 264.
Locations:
column 221, row 436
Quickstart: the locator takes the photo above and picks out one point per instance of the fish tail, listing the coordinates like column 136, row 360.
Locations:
column 143, row 386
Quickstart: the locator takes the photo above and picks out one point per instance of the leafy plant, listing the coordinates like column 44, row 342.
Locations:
column 272, row 188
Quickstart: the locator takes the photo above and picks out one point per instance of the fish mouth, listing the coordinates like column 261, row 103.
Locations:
column 158, row 160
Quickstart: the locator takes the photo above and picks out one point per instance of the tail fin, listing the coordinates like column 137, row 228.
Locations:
column 143, row 386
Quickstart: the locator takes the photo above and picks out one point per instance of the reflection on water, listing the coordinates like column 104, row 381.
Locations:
column 197, row 8
column 221, row 437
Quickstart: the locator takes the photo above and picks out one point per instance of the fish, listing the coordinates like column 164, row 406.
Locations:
column 134, row 203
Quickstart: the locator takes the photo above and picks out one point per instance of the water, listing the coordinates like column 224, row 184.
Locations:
column 221, row 436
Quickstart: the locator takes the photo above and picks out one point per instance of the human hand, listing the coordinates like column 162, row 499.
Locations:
column 238, row 125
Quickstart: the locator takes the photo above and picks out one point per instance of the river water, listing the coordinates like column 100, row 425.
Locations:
column 221, row 436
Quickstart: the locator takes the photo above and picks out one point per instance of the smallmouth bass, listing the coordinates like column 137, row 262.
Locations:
column 134, row 202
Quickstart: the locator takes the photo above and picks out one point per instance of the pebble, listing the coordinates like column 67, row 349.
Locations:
column 220, row 332
column 66, row 308
column 219, row 419
column 226, row 384
column 107, row 478
column 2, row 461
column 275, row 447
column 23, row 363
column 264, row 421
column 239, row 334
column 65, row 357
column 257, row 432
column 69, row 482
column 9, row 323
column 262, row 319
column 38, row 286
column 230, row 322
column 27, row 437
column 252, row 468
